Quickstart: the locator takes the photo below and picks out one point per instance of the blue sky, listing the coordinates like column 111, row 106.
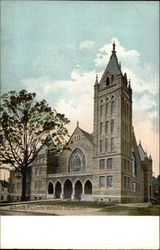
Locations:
column 57, row 48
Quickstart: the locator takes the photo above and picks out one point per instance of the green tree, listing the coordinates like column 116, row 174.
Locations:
column 26, row 126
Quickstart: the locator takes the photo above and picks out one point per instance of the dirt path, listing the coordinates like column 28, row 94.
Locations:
column 55, row 210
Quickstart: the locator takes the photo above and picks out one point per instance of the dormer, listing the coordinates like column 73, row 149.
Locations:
column 108, row 79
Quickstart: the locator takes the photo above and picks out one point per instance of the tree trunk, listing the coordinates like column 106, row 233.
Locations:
column 23, row 198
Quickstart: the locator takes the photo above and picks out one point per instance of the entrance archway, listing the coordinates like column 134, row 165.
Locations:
column 50, row 188
column 58, row 190
column 68, row 189
column 78, row 190
column 88, row 187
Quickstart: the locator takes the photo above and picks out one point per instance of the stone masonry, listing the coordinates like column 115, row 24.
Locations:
column 106, row 165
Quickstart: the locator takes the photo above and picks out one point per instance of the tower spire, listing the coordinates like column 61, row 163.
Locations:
column 114, row 46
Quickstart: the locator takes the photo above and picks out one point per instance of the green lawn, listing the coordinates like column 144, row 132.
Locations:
column 123, row 210
column 72, row 204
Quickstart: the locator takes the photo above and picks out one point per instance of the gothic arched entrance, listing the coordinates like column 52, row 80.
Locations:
column 78, row 190
column 50, row 188
column 88, row 187
column 68, row 189
column 58, row 190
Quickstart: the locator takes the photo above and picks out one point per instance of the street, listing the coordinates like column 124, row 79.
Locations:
column 5, row 212
column 15, row 213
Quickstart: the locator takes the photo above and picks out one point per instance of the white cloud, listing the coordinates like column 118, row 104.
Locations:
column 80, row 110
column 150, row 140
column 78, row 83
column 74, row 96
column 127, row 57
column 146, row 102
column 139, row 84
column 88, row 44
column 77, row 100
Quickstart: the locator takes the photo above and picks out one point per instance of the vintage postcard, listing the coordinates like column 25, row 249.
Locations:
column 79, row 124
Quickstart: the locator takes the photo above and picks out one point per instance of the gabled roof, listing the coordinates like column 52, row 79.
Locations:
column 87, row 135
column 142, row 153
column 45, row 148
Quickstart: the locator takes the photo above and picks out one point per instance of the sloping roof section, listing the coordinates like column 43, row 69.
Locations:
column 45, row 147
column 142, row 153
column 113, row 68
column 87, row 135
column 134, row 146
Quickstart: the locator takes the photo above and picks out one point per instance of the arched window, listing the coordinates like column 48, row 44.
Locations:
column 127, row 111
column 112, row 79
column 88, row 187
column 78, row 190
column 107, row 81
column 77, row 161
column 134, row 166
column 101, row 146
column 58, row 190
column 106, row 106
column 101, row 108
column 125, row 108
column 50, row 188
column 112, row 144
column 112, row 125
column 112, row 105
column 68, row 189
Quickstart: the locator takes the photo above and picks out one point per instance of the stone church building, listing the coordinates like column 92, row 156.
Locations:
column 106, row 165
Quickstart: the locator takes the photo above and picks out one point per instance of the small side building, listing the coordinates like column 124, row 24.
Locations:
column 4, row 195
column 15, row 185
column 146, row 163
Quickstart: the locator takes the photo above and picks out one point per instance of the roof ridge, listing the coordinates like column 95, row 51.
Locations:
column 142, row 152
column 88, row 135
column 84, row 131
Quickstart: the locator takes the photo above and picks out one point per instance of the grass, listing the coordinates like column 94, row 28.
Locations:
column 138, row 211
column 72, row 204
column 108, row 209
column 151, row 210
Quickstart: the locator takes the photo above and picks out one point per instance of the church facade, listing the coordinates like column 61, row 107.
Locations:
column 106, row 165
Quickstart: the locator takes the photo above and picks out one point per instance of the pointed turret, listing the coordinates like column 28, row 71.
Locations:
column 96, row 82
column 145, row 154
column 129, row 84
column 112, row 70
column 77, row 124
column 114, row 51
column 125, row 79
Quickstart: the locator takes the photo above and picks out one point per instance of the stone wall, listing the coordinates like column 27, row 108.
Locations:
column 78, row 139
column 38, row 178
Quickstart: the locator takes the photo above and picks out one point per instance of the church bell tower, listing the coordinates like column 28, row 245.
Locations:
column 112, row 127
